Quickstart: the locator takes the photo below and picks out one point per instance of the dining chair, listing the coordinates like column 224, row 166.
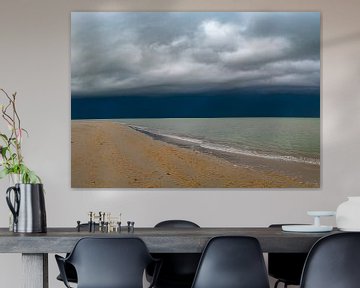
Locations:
column 70, row 271
column 333, row 262
column 286, row 267
column 178, row 269
column 108, row 263
column 232, row 262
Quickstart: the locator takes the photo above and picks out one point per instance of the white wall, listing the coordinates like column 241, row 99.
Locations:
column 35, row 62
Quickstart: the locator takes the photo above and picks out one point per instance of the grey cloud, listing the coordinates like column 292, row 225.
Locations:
column 302, row 28
column 160, row 52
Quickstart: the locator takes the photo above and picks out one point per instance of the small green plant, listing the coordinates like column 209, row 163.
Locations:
column 11, row 159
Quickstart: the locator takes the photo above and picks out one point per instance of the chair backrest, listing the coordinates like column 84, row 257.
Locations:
column 176, row 224
column 232, row 262
column 110, row 262
column 333, row 262
column 178, row 269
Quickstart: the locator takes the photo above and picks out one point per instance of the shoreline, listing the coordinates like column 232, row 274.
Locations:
column 188, row 141
column 309, row 172
column 108, row 154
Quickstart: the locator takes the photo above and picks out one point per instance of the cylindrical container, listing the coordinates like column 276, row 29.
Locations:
column 28, row 208
column 348, row 215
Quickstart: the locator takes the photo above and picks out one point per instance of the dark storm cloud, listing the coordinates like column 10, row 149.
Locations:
column 302, row 29
column 125, row 53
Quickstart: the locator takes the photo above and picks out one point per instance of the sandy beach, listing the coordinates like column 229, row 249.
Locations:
column 106, row 154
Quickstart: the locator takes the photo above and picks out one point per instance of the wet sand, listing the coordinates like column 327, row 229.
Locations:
column 111, row 155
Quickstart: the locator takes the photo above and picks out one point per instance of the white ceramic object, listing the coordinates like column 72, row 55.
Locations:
column 348, row 215
column 316, row 227
column 321, row 213
column 318, row 214
column 306, row 228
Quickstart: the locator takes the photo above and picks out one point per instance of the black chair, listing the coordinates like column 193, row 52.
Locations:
column 286, row 267
column 69, row 269
column 176, row 224
column 232, row 262
column 333, row 262
column 108, row 263
column 178, row 269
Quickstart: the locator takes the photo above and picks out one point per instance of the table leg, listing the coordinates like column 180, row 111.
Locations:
column 35, row 270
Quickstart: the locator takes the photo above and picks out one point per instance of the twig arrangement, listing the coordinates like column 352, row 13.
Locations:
column 11, row 158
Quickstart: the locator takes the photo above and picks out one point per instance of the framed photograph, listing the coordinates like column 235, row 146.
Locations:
column 195, row 100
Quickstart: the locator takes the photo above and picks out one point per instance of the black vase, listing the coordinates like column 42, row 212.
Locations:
column 28, row 208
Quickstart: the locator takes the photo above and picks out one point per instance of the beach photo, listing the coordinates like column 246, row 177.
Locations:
column 195, row 100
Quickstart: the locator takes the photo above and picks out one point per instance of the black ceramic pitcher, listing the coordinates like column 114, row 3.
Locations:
column 28, row 207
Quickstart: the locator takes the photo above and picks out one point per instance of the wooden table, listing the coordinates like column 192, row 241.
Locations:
column 35, row 247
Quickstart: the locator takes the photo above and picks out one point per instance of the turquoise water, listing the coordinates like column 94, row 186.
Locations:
column 291, row 139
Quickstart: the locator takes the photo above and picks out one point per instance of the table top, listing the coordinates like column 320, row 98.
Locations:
column 158, row 240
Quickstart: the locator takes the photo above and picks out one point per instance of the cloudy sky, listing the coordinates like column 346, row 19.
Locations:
column 162, row 53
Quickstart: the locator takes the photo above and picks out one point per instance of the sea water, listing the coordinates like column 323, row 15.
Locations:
column 290, row 139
